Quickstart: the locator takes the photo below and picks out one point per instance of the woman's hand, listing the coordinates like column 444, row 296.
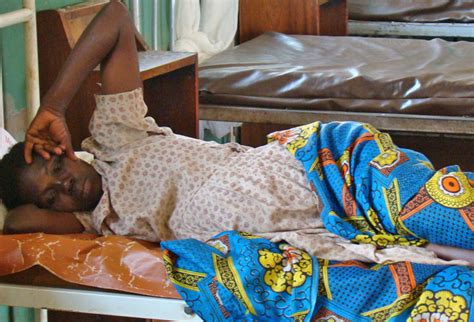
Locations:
column 31, row 219
column 48, row 133
column 17, row 219
column 452, row 253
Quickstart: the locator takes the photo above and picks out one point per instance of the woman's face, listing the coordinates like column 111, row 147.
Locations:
column 61, row 184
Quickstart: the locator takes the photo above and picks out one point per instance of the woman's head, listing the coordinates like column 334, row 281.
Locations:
column 59, row 184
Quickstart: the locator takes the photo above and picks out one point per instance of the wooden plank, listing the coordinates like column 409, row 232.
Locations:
column 172, row 99
column 302, row 17
column 155, row 62
column 425, row 29
column 460, row 126
column 82, row 9
column 75, row 18
column 333, row 18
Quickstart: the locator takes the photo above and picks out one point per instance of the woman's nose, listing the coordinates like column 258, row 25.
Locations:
column 59, row 184
column 64, row 185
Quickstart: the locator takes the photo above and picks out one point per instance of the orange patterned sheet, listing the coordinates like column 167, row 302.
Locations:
column 111, row 262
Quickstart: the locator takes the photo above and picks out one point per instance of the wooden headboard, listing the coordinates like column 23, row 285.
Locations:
column 303, row 17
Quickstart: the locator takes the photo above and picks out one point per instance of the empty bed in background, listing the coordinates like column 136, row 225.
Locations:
column 419, row 90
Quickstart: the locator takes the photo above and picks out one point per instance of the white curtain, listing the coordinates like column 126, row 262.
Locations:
column 205, row 26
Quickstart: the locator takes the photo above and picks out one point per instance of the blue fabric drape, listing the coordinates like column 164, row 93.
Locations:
column 374, row 192
column 239, row 277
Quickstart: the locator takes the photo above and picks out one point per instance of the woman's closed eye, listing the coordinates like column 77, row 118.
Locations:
column 57, row 165
column 50, row 198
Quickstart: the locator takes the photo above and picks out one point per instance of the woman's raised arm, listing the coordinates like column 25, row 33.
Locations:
column 109, row 40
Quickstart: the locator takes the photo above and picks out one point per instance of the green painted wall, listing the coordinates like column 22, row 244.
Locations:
column 12, row 53
column 13, row 57
column 146, row 14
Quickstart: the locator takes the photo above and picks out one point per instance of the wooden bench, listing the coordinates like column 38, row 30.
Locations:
column 170, row 83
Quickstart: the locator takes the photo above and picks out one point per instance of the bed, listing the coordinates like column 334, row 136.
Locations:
column 30, row 265
column 86, row 262
column 419, row 90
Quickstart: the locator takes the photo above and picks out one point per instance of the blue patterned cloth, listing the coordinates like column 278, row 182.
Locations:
column 239, row 277
column 371, row 192
column 374, row 192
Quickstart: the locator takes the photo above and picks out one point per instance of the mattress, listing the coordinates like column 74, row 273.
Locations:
column 107, row 262
column 412, row 10
column 380, row 75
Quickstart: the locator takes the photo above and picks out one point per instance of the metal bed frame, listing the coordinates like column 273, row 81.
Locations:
column 94, row 302
column 27, row 16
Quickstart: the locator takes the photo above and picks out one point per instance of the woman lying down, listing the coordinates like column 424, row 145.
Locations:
column 340, row 191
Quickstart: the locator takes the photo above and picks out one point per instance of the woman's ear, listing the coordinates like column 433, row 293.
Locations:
column 3, row 214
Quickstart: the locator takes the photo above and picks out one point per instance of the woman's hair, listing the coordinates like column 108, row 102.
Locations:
column 11, row 166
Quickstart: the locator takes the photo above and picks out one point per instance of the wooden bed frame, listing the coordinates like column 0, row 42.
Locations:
column 411, row 29
column 330, row 18
column 451, row 19
column 303, row 17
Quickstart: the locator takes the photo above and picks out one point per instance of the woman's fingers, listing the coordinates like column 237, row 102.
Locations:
column 28, row 152
column 68, row 150
column 60, row 133
column 48, row 134
column 53, row 148
column 39, row 149
column 33, row 142
column 43, row 147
